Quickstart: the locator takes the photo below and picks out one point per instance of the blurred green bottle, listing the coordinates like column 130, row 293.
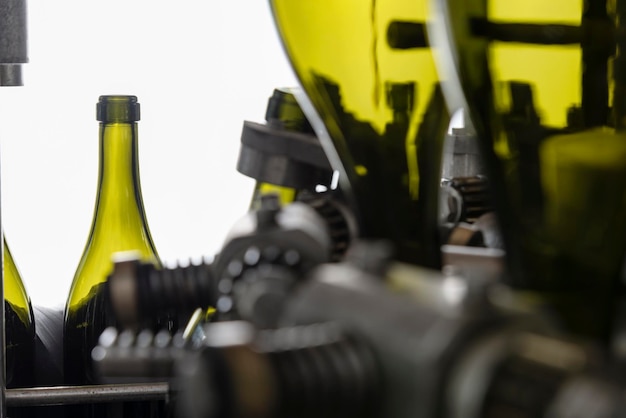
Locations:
column 545, row 85
column 382, row 109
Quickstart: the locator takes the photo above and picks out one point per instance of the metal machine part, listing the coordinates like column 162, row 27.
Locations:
column 314, row 370
column 289, row 159
column 451, row 347
column 462, row 233
column 13, row 41
column 461, row 155
column 310, row 371
column 414, row 343
column 64, row 395
column 464, row 199
column 464, row 194
column 266, row 254
column 138, row 290
column 284, row 151
column 341, row 224
column 474, row 263
column 137, row 356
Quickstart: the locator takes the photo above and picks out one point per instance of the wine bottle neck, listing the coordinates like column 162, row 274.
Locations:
column 119, row 222
column 118, row 185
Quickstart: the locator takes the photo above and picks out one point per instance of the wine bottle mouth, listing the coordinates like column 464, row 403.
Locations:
column 118, row 108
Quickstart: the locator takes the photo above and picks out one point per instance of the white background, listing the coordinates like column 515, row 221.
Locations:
column 199, row 69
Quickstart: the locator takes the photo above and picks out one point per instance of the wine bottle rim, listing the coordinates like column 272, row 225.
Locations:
column 117, row 108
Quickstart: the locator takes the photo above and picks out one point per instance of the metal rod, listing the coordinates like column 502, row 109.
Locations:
column 528, row 33
column 595, row 64
column 596, row 34
column 619, row 66
column 65, row 395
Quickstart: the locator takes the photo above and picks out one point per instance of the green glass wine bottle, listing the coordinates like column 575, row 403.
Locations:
column 381, row 112
column 119, row 224
column 20, row 326
column 544, row 83
column 19, row 331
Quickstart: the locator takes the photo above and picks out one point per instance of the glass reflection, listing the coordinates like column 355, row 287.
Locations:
column 544, row 82
column 370, row 75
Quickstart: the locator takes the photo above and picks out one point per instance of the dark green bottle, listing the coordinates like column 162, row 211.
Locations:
column 19, row 331
column 382, row 109
column 119, row 224
column 544, row 83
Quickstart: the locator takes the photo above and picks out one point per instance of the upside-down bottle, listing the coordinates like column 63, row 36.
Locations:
column 375, row 103
column 544, row 83
column 119, row 224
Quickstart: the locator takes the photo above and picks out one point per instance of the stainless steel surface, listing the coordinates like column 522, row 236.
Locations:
column 13, row 41
column 13, row 38
column 475, row 263
column 461, row 157
column 63, row 395
column 11, row 75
